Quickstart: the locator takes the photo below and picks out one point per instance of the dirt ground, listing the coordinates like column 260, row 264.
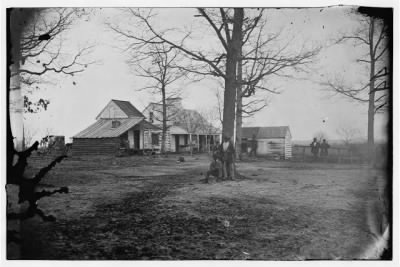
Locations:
column 137, row 208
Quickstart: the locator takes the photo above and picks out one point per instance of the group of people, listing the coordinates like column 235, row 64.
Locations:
column 319, row 149
column 222, row 164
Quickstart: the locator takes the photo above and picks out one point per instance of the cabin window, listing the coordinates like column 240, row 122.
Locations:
column 115, row 124
column 151, row 117
column 155, row 138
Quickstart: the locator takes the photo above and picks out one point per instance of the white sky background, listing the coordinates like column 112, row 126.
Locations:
column 302, row 104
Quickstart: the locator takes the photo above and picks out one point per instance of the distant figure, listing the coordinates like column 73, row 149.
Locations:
column 315, row 148
column 228, row 155
column 324, row 149
column 253, row 148
column 215, row 168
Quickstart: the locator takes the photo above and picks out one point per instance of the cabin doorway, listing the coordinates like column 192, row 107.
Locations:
column 176, row 143
column 136, row 139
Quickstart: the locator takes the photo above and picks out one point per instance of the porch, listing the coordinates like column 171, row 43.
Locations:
column 198, row 143
column 134, row 140
column 179, row 141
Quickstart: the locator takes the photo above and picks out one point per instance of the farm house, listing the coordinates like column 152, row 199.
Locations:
column 118, row 126
column 271, row 141
column 185, row 128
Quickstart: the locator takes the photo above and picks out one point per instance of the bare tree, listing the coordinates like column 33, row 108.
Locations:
column 348, row 134
column 43, row 53
column 226, row 25
column 209, row 121
column 220, row 105
column 158, row 64
column 263, row 55
column 240, row 39
column 373, row 37
column 17, row 181
column 192, row 122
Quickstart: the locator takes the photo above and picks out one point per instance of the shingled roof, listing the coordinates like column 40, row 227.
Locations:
column 128, row 108
column 265, row 132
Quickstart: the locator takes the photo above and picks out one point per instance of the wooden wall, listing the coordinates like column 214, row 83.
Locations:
column 275, row 146
column 148, row 142
column 288, row 146
column 112, row 111
column 95, row 146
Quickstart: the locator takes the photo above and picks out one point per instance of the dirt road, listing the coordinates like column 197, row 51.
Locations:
column 156, row 208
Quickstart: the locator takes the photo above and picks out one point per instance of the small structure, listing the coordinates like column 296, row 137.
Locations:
column 271, row 141
column 52, row 144
column 57, row 143
column 186, row 128
column 118, row 126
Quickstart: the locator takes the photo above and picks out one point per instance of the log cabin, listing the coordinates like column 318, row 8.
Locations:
column 119, row 126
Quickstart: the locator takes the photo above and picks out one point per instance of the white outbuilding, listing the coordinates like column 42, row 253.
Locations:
column 271, row 141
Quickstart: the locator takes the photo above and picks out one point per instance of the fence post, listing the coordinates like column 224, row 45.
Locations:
column 304, row 153
column 339, row 159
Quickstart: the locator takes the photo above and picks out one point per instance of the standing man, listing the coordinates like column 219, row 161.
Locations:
column 228, row 156
column 324, row 149
column 315, row 148
column 253, row 150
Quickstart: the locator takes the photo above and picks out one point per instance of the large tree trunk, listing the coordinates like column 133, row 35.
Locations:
column 15, row 26
column 230, row 79
column 239, row 105
column 239, row 125
column 164, row 121
column 371, row 102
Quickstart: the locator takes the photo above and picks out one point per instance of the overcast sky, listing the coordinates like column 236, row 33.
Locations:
column 302, row 104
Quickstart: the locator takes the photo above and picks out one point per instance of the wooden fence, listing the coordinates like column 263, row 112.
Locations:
column 335, row 154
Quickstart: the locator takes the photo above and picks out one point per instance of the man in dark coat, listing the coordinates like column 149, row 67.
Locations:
column 253, row 143
column 228, row 156
column 324, row 149
column 315, row 148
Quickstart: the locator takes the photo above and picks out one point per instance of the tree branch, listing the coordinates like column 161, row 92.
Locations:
column 217, row 31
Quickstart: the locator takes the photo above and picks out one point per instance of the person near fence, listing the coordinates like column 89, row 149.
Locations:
column 324, row 149
column 315, row 148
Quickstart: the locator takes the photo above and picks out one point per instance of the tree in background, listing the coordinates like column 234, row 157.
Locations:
column 348, row 134
column 192, row 122
column 205, row 63
column 239, row 38
column 29, row 57
column 243, row 56
column 43, row 53
column 373, row 37
column 158, row 64
column 264, row 54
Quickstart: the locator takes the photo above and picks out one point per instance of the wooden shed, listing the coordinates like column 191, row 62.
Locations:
column 118, row 126
column 271, row 141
